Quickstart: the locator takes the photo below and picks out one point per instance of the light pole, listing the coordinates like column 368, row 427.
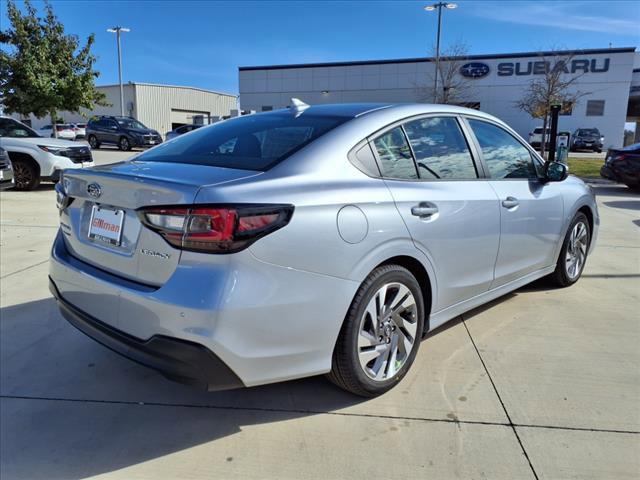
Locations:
column 430, row 8
column 117, row 31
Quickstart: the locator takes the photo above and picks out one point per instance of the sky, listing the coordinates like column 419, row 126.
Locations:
column 202, row 43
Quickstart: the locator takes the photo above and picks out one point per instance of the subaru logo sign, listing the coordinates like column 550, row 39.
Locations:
column 474, row 70
column 94, row 190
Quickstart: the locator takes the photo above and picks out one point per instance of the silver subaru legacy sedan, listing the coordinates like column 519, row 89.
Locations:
column 311, row 240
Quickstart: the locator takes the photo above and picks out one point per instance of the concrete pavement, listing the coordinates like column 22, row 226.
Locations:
column 541, row 383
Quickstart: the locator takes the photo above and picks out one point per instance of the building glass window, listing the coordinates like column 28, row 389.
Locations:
column 440, row 149
column 505, row 156
column 595, row 108
column 267, row 108
column 395, row 155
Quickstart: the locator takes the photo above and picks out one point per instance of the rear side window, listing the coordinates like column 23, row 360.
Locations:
column 395, row 155
column 253, row 142
column 440, row 149
column 505, row 156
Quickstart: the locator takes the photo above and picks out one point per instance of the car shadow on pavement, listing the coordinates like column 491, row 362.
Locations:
column 72, row 408
column 612, row 190
column 625, row 204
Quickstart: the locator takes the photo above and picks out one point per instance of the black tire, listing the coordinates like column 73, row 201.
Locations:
column 93, row 142
column 124, row 144
column 346, row 371
column 25, row 174
column 561, row 276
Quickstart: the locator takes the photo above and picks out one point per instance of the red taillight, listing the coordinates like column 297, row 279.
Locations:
column 215, row 229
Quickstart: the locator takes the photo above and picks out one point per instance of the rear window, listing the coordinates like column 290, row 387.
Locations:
column 253, row 142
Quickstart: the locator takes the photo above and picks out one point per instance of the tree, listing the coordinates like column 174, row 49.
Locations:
column 42, row 70
column 453, row 88
column 551, row 84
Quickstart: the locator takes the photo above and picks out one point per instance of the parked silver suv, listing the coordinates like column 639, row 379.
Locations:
column 311, row 240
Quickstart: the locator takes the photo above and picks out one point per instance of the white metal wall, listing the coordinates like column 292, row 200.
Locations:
column 401, row 82
column 155, row 104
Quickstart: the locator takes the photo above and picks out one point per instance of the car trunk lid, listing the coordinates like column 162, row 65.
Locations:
column 101, row 225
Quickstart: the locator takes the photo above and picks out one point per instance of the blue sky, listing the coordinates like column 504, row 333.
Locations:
column 200, row 43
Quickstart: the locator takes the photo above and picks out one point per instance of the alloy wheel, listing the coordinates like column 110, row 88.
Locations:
column 387, row 333
column 576, row 250
column 23, row 176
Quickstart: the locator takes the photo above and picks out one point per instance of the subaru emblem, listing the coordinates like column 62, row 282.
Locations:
column 474, row 70
column 94, row 190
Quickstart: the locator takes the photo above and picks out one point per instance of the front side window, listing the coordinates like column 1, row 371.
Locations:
column 251, row 142
column 505, row 156
column 395, row 155
column 440, row 149
column 12, row 129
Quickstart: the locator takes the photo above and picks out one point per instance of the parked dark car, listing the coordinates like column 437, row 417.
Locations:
column 623, row 165
column 176, row 132
column 587, row 139
column 125, row 132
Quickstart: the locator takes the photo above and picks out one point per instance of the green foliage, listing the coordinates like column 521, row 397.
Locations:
column 586, row 167
column 42, row 70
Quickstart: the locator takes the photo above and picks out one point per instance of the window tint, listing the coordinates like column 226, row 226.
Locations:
column 440, row 148
column 130, row 123
column 395, row 155
column 505, row 156
column 251, row 142
column 588, row 131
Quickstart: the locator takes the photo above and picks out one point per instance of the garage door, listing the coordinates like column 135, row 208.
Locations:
column 185, row 117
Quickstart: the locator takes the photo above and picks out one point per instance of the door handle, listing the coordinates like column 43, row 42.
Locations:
column 424, row 210
column 510, row 202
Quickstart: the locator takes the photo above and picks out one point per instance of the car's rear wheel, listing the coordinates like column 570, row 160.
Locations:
column 124, row 144
column 93, row 142
column 381, row 333
column 573, row 255
column 25, row 174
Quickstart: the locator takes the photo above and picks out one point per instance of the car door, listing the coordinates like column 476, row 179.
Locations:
column 531, row 210
column 451, row 213
column 111, row 131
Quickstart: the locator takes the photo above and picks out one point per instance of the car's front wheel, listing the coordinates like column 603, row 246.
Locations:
column 26, row 175
column 93, row 142
column 381, row 333
column 574, row 252
column 124, row 144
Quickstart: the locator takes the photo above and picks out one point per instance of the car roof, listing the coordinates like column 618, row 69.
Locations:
column 353, row 110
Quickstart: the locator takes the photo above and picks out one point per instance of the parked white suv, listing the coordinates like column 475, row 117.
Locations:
column 37, row 158
column 535, row 137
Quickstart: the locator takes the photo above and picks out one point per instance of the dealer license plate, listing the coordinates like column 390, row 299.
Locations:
column 106, row 225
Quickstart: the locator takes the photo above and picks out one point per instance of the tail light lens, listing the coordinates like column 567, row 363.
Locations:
column 215, row 229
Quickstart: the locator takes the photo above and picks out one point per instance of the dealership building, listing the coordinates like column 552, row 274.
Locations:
column 160, row 107
column 609, row 79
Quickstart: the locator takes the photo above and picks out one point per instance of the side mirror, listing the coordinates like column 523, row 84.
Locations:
column 556, row 172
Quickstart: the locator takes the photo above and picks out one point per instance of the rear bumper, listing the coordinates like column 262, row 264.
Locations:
column 179, row 360
column 621, row 175
column 606, row 172
column 267, row 323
